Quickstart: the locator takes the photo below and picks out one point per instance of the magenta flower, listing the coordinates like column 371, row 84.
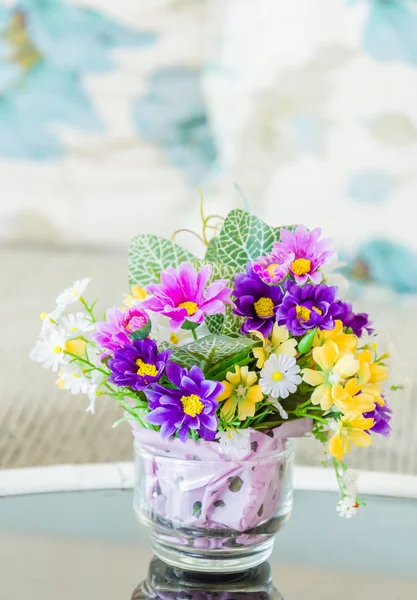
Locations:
column 272, row 269
column 310, row 253
column 182, row 295
column 118, row 328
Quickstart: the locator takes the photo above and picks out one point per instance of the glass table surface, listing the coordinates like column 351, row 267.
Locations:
column 87, row 545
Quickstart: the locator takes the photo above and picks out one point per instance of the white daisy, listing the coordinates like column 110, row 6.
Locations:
column 97, row 378
column 73, row 380
column 279, row 376
column 235, row 444
column 350, row 480
column 161, row 331
column 283, row 413
column 73, row 293
column 347, row 507
column 49, row 350
column 50, row 321
column 77, row 324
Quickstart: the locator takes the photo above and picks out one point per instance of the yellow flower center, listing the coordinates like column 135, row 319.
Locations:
column 301, row 266
column 241, row 390
column 57, row 349
column 264, row 307
column 192, row 405
column 138, row 292
column 190, row 307
column 271, row 269
column 277, row 376
column 318, row 311
column 146, row 368
column 303, row 313
column 173, row 338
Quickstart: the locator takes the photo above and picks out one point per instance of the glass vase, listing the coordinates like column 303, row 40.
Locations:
column 207, row 511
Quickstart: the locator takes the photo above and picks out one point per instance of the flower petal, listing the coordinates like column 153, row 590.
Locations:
column 313, row 377
column 325, row 356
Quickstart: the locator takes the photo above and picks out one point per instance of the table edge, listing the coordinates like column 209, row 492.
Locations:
column 120, row 476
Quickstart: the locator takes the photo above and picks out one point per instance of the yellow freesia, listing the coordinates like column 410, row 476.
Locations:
column 346, row 342
column 371, row 374
column 351, row 400
column 279, row 343
column 334, row 369
column 350, row 431
column 137, row 293
column 240, row 392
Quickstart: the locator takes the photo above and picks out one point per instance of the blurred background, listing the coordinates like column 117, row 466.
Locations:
column 113, row 114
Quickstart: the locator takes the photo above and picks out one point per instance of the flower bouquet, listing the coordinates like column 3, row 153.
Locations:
column 218, row 362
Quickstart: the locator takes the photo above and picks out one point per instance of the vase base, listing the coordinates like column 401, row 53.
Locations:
column 240, row 560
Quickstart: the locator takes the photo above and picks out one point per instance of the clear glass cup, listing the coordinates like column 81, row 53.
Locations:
column 210, row 513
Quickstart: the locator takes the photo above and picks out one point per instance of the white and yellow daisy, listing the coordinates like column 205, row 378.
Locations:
column 280, row 376
column 73, row 293
column 347, row 507
column 161, row 332
column 73, row 380
column 76, row 324
column 235, row 444
column 49, row 350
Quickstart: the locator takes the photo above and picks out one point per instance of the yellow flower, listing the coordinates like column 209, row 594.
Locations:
column 335, row 368
column 278, row 344
column 350, row 431
column 351, row 400
column 346, row 342
column 371, row 374
column 137, row 294
column 241, row 393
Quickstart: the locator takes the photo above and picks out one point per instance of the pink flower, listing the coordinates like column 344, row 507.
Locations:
column 181, row 295
column 273, row 268
column 309, row 252
column 116, row 331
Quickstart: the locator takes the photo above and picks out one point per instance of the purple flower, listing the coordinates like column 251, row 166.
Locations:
column 192, row 405
column 273, row 268
column 116, row 331
column 310, row 253
column 308, row 306
column 182, row 295
column 138, row 364
column 382, row 417
column 357, row 322
column 257, row 301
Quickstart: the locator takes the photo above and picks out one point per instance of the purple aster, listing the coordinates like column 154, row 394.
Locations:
column 308, row 306
column 138, row 364
column 357, row 322
column 192, row 405
column 273, row 268
column 182, row 295
column 116, row 331
column 257, row 301
column 310, row 253
column 382, row 417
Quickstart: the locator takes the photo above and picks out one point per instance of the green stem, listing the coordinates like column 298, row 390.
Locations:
column 193, row 331
column 88, row 309
column 86, row 362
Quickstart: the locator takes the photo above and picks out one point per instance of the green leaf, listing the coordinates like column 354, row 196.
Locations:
column 223, row 345
column 219, row 371
column 150, row 254
column 232, row 323
column 306, row 342
column 179, row 355
column 211, row 252
column 215, row 323
column 243, row 238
